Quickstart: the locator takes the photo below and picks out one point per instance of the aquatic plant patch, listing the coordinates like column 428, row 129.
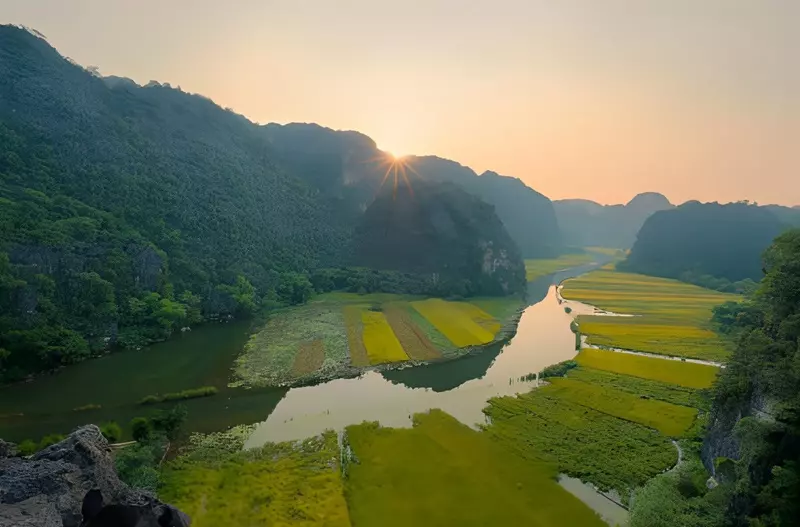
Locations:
column 309, row 358
column 296, row 483
column 379, row 339
column 593, row 446
column 457, row 321
column 688, row 374
column 441, row 472
column 669, row 392
column 669, row 419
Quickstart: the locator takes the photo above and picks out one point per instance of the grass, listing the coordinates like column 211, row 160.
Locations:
column 596, row 447
column 542, row 267
column 669, row 419
column 462, row 323
column 687, row 374
column 379, row 339
column 280, row 484
column 671, row 393
column 193, row 393
column 441, row 472
column 674, row 317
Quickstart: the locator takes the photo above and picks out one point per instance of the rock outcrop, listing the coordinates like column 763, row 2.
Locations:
column 73, row 484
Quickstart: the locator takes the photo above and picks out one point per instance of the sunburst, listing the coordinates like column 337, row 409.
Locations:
column 397, row 168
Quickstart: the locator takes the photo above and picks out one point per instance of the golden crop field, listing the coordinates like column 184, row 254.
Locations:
column 674, row 318
column 463, row 324
column 540, row 267
column 688, row 374
column 379, row 339
column 669, row 419
column 412, row 338
column 441, row 472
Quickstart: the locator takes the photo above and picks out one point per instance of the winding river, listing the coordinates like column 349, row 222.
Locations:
column 113, row 385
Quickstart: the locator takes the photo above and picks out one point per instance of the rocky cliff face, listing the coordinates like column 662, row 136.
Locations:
column 73, row 484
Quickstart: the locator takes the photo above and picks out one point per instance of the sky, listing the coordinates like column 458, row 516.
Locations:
column 597, row 99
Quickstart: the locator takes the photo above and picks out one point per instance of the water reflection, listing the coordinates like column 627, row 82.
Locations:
column 543, row 338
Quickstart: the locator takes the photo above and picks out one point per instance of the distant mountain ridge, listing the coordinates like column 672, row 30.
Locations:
column 350, row 166
column 587, row 223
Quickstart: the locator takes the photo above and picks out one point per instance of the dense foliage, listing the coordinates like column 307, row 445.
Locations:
column 762, row 382
column 585, row 223
column 129, row 212
column 698, row 241
column 440, row 230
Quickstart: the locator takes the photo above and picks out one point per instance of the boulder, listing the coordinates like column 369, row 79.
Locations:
column 73, row 484
column 7, row 449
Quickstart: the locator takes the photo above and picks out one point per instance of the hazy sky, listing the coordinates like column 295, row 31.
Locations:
column 698, row 99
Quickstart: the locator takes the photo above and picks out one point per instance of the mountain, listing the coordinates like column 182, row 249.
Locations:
column 438, row 228
column 788, row 215
column 129, row 211
column 585, row 223
column 705, row 239
column 350, row 166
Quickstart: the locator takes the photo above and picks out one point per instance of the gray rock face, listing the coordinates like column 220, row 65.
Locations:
column 7, row 449
column 73, row 484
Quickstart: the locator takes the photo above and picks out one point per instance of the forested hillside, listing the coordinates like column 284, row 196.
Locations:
column 437, row 228
column 128, row 212
column 584, row 223
column 705, row 243
column 349, row 166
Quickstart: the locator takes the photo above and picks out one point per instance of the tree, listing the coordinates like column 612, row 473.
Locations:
column 170, row 421
column 141, row 428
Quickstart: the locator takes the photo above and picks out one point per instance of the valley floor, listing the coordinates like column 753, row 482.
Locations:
column 616, row 421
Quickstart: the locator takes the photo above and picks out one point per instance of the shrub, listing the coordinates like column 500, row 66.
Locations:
column 51, row 439
column 141, row 427
column 111, row 431
column 27, row 447
column 558, row 370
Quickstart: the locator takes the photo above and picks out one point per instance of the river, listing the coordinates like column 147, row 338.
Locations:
column 203, row 357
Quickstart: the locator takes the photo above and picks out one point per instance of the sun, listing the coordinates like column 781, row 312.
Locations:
column 397, row 170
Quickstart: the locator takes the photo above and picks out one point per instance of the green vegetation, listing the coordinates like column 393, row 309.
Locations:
column 653, row 389
column 216, row 482
column 137, row 465
column 558, row 370
column 669, row 419
column 706, row 243
column 353, row 331
column 542, row 267
column 440, row 472
column 582, row 442
column 86, row 408
column 204, row 391
column 688, row 374
column 672, row 318
column 111, row 431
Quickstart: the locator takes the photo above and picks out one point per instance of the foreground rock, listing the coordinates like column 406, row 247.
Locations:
column 73, row 484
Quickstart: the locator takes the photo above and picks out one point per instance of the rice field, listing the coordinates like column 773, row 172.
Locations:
column 463, row 324
column 337, row 333
column 669, row 419
column 379, row 339
column 584, row 443
column 687, row 374
column 298, row 483
column 441, row 472
column 674, row 318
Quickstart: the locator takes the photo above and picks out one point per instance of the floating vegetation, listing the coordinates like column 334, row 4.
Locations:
column 687, row 374
column 86, row 408
column 441, row 472
column 194, row 393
